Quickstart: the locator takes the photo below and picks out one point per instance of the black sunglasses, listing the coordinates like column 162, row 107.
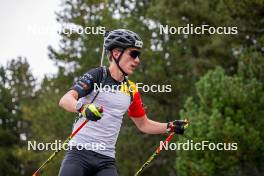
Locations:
column 134, row 53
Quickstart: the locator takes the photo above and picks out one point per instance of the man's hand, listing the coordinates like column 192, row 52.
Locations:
column 177, row 126
column 91, row 112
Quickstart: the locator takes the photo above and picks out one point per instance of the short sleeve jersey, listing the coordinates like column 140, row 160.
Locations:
column 115, row 97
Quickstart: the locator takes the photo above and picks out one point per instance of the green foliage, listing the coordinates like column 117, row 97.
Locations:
column 228, row 109
column 17, row 84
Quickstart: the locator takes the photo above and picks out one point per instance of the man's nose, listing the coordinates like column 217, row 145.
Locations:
column 137, row 60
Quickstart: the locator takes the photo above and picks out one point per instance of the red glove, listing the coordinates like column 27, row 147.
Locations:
column 136, row 108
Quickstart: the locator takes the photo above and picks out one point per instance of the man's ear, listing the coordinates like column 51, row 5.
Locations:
column 116, row 53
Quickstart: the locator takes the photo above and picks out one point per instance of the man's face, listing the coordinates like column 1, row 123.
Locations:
column 129, row 61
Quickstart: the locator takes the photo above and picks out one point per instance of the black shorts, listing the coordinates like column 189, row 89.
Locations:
column 87, row 163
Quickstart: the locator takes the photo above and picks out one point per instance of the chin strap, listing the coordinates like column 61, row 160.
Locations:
column 118, row 60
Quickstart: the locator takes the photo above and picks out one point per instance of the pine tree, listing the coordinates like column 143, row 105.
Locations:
column 17, row 86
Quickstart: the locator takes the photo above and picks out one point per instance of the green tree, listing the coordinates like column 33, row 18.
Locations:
column 228, row 109
column 17, row 85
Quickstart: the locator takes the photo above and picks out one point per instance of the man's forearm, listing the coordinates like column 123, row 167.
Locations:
column 153, row 127
column 149, row 126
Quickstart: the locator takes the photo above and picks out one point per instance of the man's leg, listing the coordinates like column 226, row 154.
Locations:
column 105, row 166
column 107, row 171
column 77, row 163
column 71, row 169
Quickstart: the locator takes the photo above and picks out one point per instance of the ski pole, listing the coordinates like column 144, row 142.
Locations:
column 37, row 172
column 157, row 151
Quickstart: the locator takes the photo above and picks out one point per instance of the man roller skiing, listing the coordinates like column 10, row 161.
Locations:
column 99, row 136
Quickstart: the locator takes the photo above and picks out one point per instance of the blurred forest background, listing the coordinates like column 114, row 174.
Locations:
column 217, row 82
